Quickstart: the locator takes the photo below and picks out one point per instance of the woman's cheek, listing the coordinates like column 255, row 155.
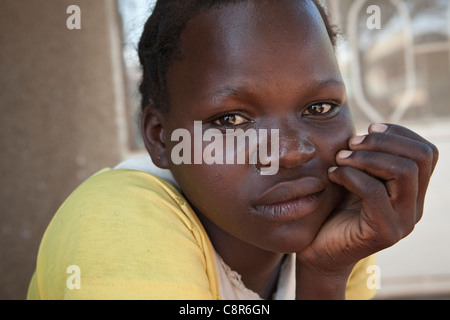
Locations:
column 212, row 189
column 338, row 136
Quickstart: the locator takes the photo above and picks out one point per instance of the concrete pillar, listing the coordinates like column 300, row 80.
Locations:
column 62, row 118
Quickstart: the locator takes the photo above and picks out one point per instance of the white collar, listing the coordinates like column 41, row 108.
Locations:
column 231, row 286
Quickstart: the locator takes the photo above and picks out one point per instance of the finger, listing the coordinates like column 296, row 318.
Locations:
column 393, row 129
column 405, row 147
column 377, row 213
column 400, row 176
column 398, row 145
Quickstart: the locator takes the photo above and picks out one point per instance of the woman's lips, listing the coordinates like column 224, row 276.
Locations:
column 291, row 200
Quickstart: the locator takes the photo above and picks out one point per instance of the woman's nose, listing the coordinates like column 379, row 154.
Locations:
column 287, row 147
column 295, row 148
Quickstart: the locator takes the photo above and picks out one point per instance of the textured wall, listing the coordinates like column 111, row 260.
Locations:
column 60, row 101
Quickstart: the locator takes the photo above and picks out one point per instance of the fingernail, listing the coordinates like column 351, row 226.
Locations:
column 332, row 169
column 378, row 127
column 345, row 154
column 357, row 140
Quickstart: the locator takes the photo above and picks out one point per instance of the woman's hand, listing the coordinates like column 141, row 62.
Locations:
column 387, row 174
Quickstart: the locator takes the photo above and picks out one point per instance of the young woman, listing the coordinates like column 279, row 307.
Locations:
column 229, row 231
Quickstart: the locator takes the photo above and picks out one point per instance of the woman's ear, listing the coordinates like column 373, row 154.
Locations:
column 152, row 126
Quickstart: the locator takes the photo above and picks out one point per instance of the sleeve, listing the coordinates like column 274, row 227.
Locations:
column 360, row 285
column 121, row 236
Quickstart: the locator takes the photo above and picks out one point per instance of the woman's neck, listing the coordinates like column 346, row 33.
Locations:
column 258, row 268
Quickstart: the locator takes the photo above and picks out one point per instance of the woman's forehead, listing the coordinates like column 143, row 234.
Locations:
column 240, row 25
column 254, row 41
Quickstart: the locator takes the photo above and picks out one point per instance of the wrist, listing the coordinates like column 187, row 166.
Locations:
column 313, row 284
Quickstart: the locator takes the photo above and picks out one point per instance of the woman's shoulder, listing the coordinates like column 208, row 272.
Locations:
column 131, row 234
column 127, row 195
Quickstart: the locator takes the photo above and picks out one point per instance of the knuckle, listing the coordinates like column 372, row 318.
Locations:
column 426, row 153
column 405, row 228
column 393, row 237
column 383, row 240
column 379, row 140
column 375, row 189
column 408, row 168
column 402, row 232
column 435, row 152
column 431, row 149
column 394, row 234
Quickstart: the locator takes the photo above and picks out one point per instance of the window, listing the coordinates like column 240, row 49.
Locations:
column 397, row 70
column 134, row 14
column 401, row 71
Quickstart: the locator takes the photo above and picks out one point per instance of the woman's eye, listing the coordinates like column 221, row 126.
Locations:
column 230, row 120
column 319, row 109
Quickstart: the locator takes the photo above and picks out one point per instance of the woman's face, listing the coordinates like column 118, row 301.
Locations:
column 261, row 65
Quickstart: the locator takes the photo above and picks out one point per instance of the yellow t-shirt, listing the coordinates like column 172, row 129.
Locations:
column 126, row 234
